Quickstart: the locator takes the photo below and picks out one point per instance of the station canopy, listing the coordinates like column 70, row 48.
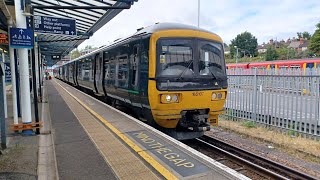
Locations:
column 90, row 16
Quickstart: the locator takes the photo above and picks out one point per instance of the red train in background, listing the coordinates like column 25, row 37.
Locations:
column 280, row 64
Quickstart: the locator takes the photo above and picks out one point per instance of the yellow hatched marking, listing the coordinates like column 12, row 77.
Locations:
column 154, row 163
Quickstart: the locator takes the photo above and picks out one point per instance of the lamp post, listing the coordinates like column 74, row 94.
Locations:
column 236, row 57
column 198, row 13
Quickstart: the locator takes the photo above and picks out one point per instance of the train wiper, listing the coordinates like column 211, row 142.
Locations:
column 191, row 61
column 214, row 76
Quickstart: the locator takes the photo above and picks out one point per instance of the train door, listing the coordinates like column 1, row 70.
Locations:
column 134, row 85
column 73, row 64
column 75, row 73
column 98, row 74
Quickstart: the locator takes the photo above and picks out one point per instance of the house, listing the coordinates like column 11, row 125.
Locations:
column 262, row 48
column 303, row 46
column 226, row 50
column 299, row 45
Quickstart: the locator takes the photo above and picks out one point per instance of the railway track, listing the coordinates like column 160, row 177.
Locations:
column 245, row 162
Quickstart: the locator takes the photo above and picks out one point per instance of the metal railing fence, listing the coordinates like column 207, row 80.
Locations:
column 287, row 99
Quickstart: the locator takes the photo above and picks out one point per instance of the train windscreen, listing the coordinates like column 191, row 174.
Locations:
column 189, row 63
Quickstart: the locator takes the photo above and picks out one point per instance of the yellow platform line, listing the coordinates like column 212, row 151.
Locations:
column 154, row 163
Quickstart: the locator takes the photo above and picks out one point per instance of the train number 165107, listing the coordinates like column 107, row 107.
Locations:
column 197, row 93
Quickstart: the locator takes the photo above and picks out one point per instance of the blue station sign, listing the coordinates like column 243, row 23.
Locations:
column 7, row 72
column 53, row 25
column 21, row 38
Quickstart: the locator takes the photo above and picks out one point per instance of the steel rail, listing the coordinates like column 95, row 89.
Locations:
column 269, row 167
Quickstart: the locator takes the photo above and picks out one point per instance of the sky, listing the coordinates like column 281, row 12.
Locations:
column 265, row 19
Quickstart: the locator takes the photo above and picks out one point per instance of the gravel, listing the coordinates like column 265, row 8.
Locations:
column 299, row 160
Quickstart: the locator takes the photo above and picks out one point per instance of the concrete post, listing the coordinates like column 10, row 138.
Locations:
column 4, row 87
column 24, row 72
column 2, row 114
column 13, row 80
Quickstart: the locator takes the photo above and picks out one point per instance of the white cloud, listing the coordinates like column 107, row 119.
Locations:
column 264, row 19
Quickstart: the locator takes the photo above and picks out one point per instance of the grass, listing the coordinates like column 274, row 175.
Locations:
column 246, row 59
column 249, row 124
column 298, row 146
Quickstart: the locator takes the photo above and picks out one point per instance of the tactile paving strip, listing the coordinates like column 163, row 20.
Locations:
column 123, row 162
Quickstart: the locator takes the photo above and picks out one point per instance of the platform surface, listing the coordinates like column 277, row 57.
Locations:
column 94, row 140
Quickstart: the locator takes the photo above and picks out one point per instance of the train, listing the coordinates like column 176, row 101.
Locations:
column 173, row 76
column 279, row 64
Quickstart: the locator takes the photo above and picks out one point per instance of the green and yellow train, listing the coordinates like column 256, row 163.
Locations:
column 171, row 75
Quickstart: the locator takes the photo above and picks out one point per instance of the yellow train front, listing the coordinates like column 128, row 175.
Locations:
column 171, row 75
column 187, row 84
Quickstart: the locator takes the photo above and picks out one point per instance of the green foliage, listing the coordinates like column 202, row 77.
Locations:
column 314, row 45
column 245, row 59
column 245, row 42
column 291, row 54
column 75, row 54
column 282, row 52
column 271, row 54
column 305, row 35
column 227, row 56
column 87, row 47
column 249, row 124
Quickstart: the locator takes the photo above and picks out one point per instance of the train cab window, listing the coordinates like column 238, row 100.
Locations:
column 122, row 71
column 134, row 65
column 211, row 58
column 175, row 56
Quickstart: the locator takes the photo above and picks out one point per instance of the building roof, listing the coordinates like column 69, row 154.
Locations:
column 304, row 44
column 294, row 44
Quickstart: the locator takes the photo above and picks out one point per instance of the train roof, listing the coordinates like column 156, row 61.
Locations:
column 144, row 31
column 277, row 62
column 167, row 26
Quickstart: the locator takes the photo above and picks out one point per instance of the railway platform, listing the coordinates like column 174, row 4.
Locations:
column 90, row 139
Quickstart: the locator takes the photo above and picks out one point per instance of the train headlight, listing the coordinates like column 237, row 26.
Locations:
column 169, row 98
column 217, row 96
column 214, row 96
column 174, row 98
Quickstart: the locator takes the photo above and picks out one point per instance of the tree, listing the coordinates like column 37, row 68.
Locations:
column 304, row 35
column 271, row 54
column 282, row 52
column 291, row 54
column 75, row 54
column 87, row 47
column 314, row 45
column 245, row 42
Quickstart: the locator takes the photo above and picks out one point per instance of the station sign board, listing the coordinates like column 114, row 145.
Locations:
column 55, row 57
column 21, row 38
column 4, row 39
column 54, row 25
column 7, row 71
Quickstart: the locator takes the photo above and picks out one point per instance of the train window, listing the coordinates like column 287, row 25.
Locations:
column 283, row 67
column 98, row 64
column 310, row 65
column 174, row 56
column 134, row 64
column 211, row 58
column 295, row 66
column 123, row 71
